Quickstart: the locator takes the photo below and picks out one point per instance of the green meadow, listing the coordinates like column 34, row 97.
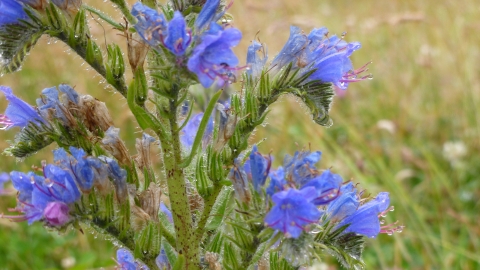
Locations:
column 413, row 130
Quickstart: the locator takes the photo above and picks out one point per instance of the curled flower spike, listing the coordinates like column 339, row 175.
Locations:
column 327, row 56
column 213, row 57
column 293, row 210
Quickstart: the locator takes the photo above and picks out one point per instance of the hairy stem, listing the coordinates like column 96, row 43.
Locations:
column 177, row 190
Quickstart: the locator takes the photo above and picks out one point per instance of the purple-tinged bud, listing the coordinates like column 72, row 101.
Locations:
column 56, row 213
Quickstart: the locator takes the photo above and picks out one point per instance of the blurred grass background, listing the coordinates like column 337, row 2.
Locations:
column 412, row 131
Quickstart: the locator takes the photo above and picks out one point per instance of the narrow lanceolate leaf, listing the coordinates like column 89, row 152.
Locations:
column 16, row 43
column 220, row 209
column 318, row 97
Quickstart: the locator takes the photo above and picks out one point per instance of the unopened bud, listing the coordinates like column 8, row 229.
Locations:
column 56, row 213
column 137, row 51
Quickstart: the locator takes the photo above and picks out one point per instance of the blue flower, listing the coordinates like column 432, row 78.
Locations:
column 277, row 181
column 259, row 167
column 18, row 112
column 213, row 57
column 327, row 186
column 256, row 63
column 207, row 14
column 151, row 25
column 11, row 12
column 344, row 205
column 126, row 260
column 365, row 220
column 178, row 38
column 188, row 133
column 293, row 210
column 300, row 168
column 292, row 50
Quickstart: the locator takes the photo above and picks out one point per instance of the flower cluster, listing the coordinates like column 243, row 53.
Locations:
column 49, row 197
column 302, row 195
column 327, row 56
column 210, row 59
column 63, row 106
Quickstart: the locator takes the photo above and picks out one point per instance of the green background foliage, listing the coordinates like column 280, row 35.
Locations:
column 388, row 134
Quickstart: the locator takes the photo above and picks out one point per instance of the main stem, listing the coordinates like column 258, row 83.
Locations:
column 179, row 201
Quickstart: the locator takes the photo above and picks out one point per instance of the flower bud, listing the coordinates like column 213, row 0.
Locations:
column 56, row 213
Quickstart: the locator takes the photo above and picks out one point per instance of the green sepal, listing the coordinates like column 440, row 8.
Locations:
column 216, row 243
column 93, row 53
column 230, row 257
column 115, row 67
column 202, row 183
column 148, row 242
column 278, row 263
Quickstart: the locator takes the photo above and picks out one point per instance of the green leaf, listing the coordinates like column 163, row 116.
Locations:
column 220, row 208
column 201, row 129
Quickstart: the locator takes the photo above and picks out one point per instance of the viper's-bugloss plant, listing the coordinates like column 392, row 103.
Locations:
column 213, row 201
